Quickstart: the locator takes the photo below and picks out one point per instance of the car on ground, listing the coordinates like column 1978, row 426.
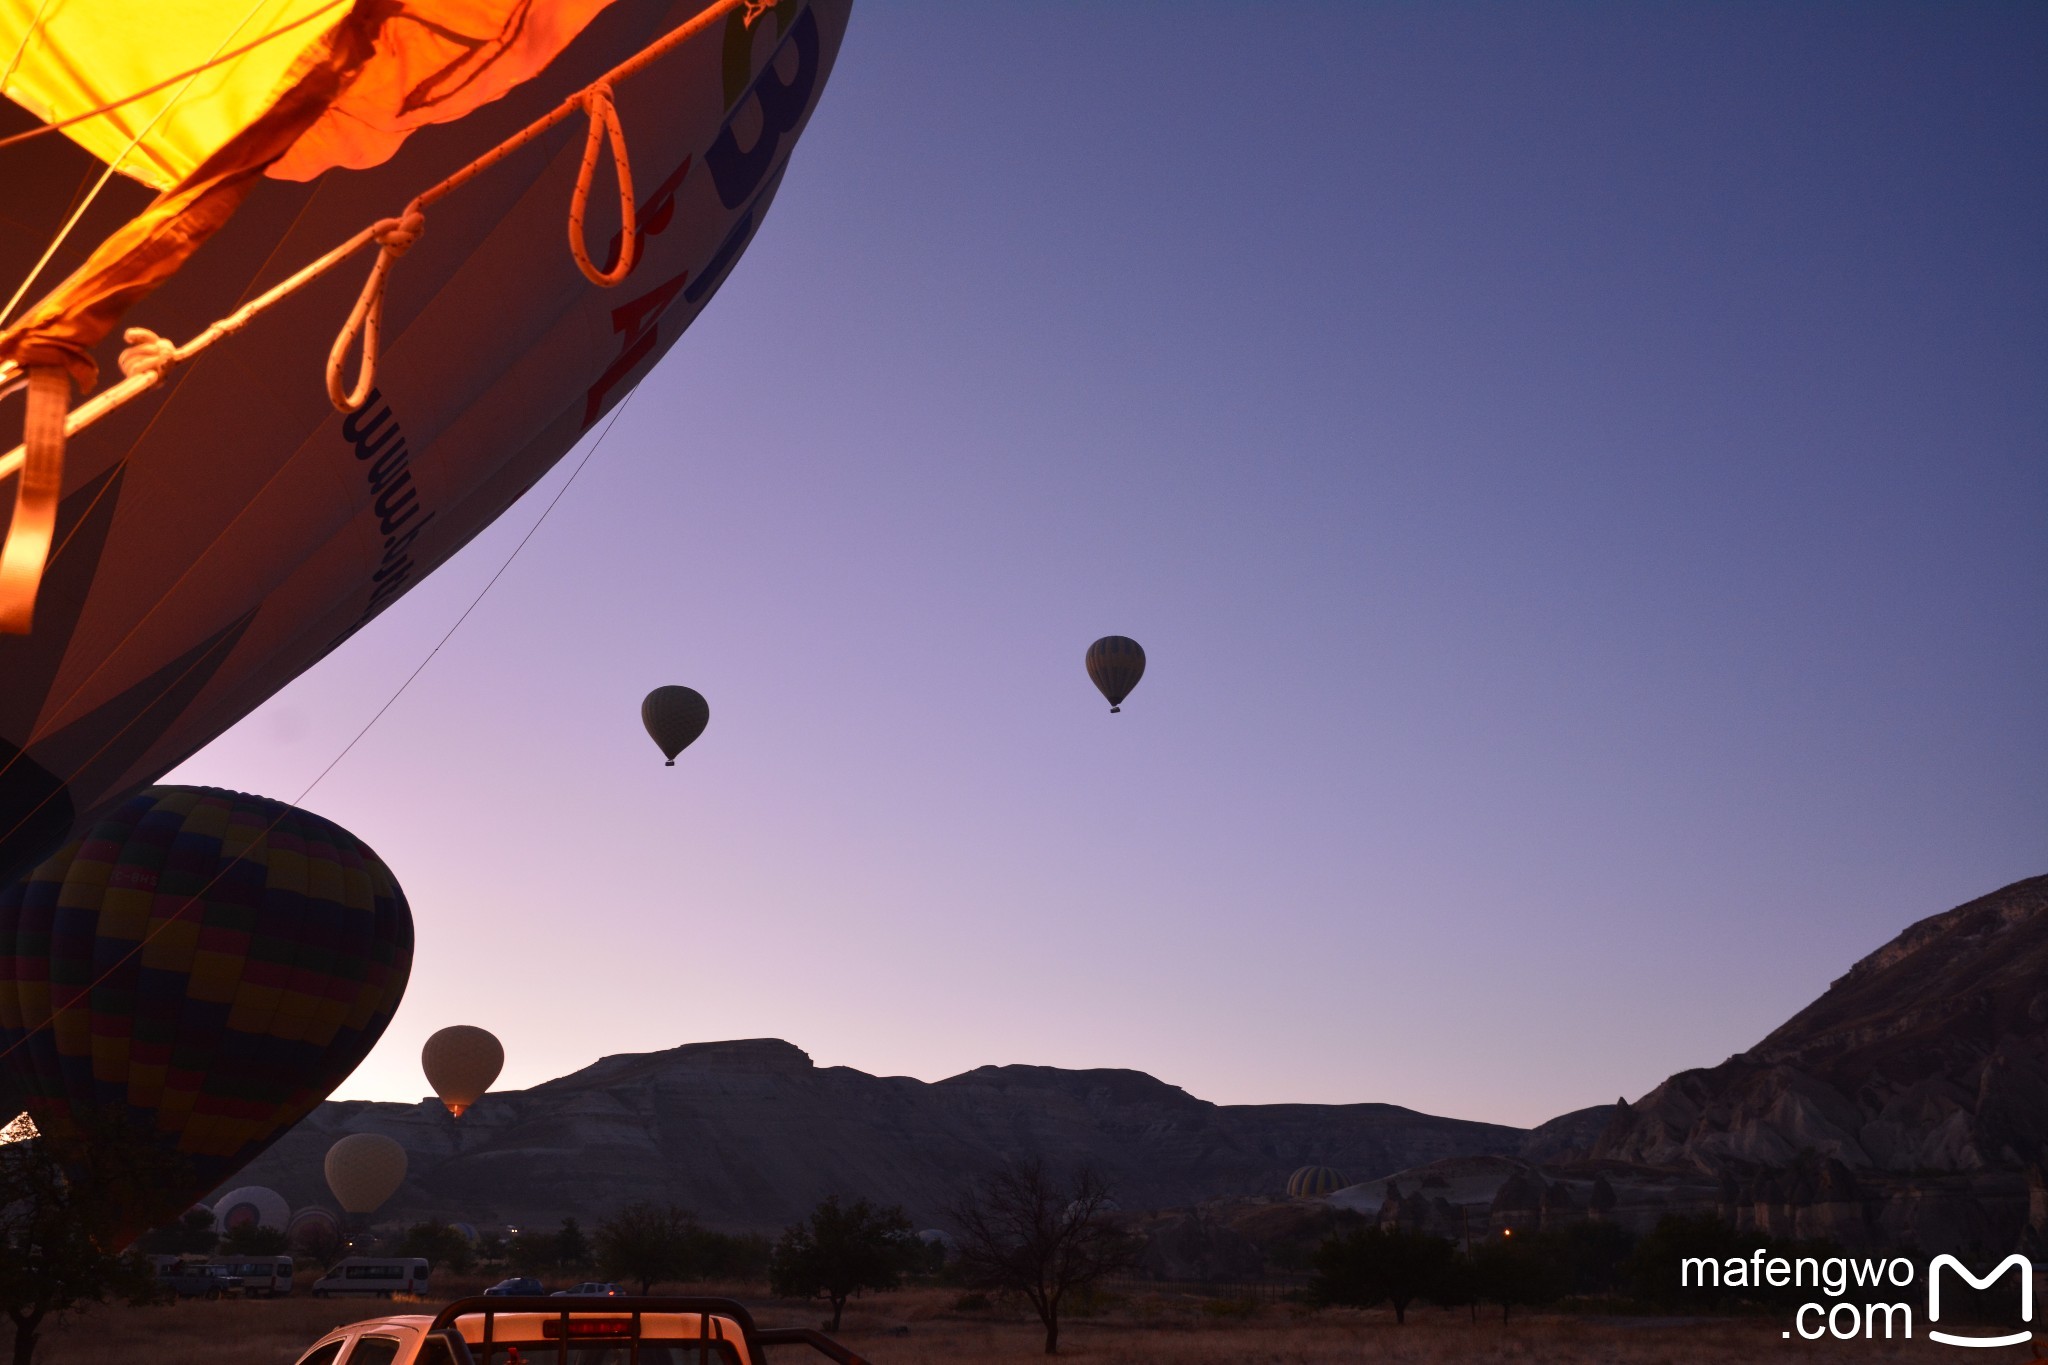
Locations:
column 262, row 1277
column 590, row 1289
column 541, row 1331
column 194, row 1280
column 376, row 1276
column 518, row 1284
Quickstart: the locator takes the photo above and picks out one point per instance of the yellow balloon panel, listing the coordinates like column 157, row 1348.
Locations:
column 77, row 55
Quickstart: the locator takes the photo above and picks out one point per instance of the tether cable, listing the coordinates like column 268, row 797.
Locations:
column 85, row 992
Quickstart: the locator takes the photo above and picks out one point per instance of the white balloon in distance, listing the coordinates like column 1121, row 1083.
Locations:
column 461, row 1061
column 364, row 1170
column 251, row 1206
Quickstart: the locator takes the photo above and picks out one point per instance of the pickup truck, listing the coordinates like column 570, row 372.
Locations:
column 508, row 1330
column 198, row 1281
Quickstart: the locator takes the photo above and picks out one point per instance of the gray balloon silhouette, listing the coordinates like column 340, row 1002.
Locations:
column 674, row 717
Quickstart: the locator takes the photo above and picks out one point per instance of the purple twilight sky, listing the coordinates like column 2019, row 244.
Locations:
column 1577, row 472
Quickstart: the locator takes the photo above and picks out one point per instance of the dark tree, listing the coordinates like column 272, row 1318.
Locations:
column 1519, row 1272
column 68, row 1205
column 193, row 1233
column 572, row 1248
column 1593, row 1254
column 1393, row 1265
column 565, row 1250
column 253, row 1239
column 319, row 1244
column 1024, row 1231
column 735, row 1257
column 841, row 1249
column 648, row 1242
column 436, row 1243
column 532, row 1253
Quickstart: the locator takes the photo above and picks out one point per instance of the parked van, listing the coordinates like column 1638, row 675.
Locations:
column 373, row 1275
column 195, row 1279
column 263, row 1277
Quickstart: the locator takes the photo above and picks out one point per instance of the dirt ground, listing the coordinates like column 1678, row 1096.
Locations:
column 924, row 1327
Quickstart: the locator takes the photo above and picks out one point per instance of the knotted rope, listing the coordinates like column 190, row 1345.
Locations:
column 394, row 237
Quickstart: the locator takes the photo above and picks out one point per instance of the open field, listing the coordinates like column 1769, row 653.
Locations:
column 922, row 1327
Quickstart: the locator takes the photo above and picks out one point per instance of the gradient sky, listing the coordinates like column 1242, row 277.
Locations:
column 1577, row 473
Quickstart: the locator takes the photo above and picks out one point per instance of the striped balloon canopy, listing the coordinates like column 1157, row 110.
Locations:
column 1313, row 1182
column 204, row 967
column 1115, row 663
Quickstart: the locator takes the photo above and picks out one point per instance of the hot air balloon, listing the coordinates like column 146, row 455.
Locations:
column 461, row 1061
column 203, row 964
column 674, row 717
column 1115, row 663
column 364, row 1170
column 313, row 1227
column 1313, row 1182
column 251, row 1206
column 203, row 545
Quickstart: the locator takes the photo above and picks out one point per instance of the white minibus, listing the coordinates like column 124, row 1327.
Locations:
column 263, row 1277
column 379, row 1276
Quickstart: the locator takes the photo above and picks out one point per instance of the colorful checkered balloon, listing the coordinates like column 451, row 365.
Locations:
column 1313, row 1182
column 206, row 964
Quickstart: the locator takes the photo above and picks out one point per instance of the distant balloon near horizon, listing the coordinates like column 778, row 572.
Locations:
column 364, row 1170
column 1115, row 663
column 1313, row 1182
column 312, row 1227
column 461, row 1061
column 674, row 717
column 251, row 1206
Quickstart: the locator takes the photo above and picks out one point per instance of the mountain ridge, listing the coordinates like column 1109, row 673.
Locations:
column 749, row 1134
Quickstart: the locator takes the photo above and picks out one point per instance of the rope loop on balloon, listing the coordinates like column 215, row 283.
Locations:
column 394, row 237
column 596, row 101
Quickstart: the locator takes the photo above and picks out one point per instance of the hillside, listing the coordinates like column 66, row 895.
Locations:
column 750, row 1135
column 1931, row 1054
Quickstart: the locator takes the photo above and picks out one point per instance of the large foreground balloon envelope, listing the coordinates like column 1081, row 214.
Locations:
column 1115, row 663
column 203, row 964
column 674, row 717
column 364, row 1170
column 461, row 1061
column 229, row 528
